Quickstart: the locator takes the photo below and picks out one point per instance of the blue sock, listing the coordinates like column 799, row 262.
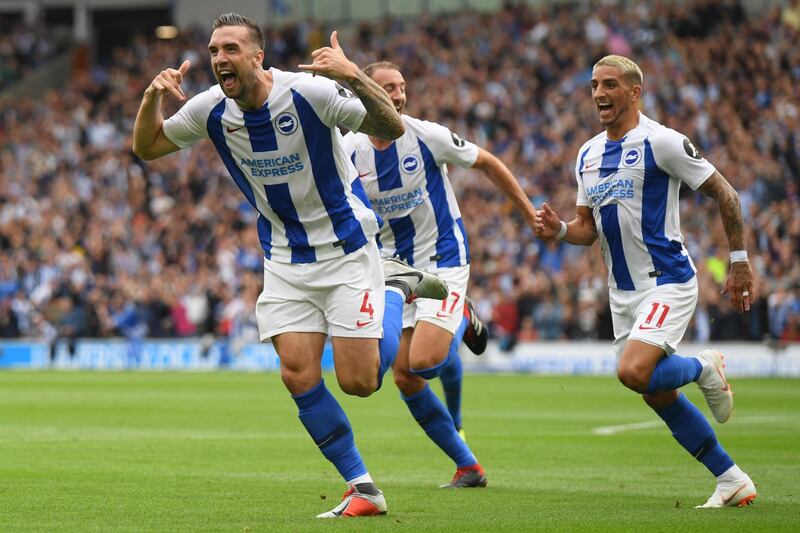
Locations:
column 452, row 376
column 691, row 429
column 429, row 412
column 673, row 372
column 327, row 424
column 392, row 329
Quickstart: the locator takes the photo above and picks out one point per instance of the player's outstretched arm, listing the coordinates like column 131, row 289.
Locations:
column 149, row 141
column 740, row 283
column 501, row 176
column 581, row 230
column 382, row 119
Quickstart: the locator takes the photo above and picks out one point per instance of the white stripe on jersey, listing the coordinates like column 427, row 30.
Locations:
column 287, row 159
column 632, row 188
column 408, row 188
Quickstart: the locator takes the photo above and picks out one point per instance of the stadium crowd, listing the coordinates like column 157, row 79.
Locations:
column 24, row 48
column 94, row 242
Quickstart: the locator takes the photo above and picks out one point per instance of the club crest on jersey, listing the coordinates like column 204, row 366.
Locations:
column 410, row 164
column 286, row 123
column 632, row 157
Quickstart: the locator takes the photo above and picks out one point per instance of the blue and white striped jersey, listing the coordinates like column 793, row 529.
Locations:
column 287, row 159
column 632, row 188
column 408, row 188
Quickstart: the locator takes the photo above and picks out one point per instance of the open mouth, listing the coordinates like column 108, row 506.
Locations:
column 227, row 78
column 604, row 109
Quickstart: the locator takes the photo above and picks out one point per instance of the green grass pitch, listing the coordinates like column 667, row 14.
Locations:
column 224, row 451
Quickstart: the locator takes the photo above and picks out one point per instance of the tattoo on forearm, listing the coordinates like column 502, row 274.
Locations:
column 730, row 211
column 382, row 119
column 732, row 220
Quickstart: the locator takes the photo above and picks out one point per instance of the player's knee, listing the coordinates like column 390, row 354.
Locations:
column 426, row 360
column 358, row 385
column 633, row 377
column 298, row 381
column 407, row 382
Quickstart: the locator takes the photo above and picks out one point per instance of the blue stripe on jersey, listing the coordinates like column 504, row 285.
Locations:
column 446, row 243
column 259, row 127
column 610, row 220
column 265, row 235
column 404, row 233
column 612, row 155
column 329, row 184
column 387, row 165
column 667, row 255
column 460, row 223
column 280, row 200
column 215, row 133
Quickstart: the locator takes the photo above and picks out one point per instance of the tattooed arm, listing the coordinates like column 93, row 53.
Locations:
column 740, row 278
column 382, row 119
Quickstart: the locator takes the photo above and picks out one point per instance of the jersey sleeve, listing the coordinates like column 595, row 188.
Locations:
column 188, row 125
column 677, row 156
column 446, row 146
column 333, row 104
column 582, row 199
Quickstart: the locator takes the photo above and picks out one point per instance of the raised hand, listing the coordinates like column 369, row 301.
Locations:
column 331, row 62
column 169, row 81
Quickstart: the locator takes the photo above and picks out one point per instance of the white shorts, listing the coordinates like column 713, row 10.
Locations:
column 445, row 313
column 657, row 316
column 343, row 296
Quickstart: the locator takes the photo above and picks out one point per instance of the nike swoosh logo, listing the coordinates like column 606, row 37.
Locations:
column 645, row 328
column 415, row 274
column 732, row 496
column 364, row 174
column 442, row 315
column 232, row 130
column 360, row 324
column 589, row 165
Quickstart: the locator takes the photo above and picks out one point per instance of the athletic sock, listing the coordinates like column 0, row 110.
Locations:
column 328, row 426
column 392, row 329
column 452, row 375
column 691, row 429
column 673, row 372
column 429, row 413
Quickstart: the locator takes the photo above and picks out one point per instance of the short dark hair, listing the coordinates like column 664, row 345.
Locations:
column 372, row 67
column 235, row 19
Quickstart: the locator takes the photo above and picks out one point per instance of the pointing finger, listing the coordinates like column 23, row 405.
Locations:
column 184, row 67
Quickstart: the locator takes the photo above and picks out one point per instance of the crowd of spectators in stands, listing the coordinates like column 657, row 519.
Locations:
column 24, row 48
column 94, row 242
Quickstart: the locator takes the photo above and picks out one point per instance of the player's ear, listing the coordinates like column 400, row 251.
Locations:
column 258, row 60
column 636, row 93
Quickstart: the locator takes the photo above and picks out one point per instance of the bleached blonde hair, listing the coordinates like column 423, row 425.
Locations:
column 630, row 70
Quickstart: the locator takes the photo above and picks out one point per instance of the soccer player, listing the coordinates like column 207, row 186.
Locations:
column 406, row 183
column 277, row 135
column 628, row 182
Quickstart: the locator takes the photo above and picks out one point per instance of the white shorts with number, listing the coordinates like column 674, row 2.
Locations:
column 343, row 296
column 445, row 313
column 657, row 316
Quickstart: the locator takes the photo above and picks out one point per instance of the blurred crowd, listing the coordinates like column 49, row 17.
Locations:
column 94, row 242
column 24, row 48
